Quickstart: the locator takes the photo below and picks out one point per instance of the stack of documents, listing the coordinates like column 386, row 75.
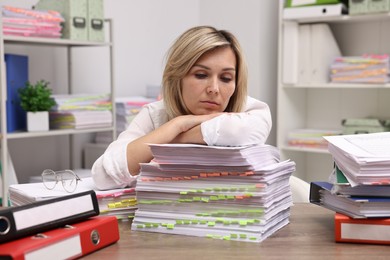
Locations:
column 81, row 111
column 126, row 109
column 121, row 203
column 359, row 186
column 229, row 193
column 32, row 23
column 363, row 158
column 354, row 206
column 361, row 69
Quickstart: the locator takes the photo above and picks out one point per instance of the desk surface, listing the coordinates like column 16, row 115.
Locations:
column 310, row 235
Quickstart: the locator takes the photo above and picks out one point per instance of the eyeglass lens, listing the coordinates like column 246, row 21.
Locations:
column 67, row 178
column 49, row 179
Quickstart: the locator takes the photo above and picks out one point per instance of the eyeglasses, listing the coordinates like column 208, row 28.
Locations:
column 68, row 178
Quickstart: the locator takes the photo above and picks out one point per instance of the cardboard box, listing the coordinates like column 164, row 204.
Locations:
column 377, row 6
column 74, row 13
column 95, row 20
column 358, row 7
column 84, row 19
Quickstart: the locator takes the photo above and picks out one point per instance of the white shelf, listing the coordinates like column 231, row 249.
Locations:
column 50, row 42
column 340, row 86
column 325, row 105
column 18, row 135
column 343, row 18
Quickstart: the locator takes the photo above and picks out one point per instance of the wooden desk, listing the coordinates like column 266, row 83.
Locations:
column 310, row 235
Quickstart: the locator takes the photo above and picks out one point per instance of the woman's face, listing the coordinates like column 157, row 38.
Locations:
column 211, row 82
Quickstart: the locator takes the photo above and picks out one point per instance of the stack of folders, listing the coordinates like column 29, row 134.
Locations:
column 120, row 203
column 126, row 109
column 62, row 228
column 367, row 69
column 81, row 111
column 228, row 193
column 358, row 188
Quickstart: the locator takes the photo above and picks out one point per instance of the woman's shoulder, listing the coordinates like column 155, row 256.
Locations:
column 253, row 103
column 157, row 112
column 156, row 105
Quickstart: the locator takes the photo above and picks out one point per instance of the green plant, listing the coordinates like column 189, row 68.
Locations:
column 36, row 97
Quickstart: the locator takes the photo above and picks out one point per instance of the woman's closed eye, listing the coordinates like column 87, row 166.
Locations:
column 226, row 79
column 200, row 75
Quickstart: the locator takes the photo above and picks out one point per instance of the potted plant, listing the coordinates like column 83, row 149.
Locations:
column 36, row 100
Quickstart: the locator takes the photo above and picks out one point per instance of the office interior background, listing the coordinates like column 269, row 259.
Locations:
column 142, row 33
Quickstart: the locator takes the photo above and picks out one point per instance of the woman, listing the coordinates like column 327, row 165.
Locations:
column 205, row 101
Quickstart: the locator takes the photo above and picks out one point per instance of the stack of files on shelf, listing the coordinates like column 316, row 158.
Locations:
column 229, row 193
column 121, row 203
column 372, row 69
column 323, row 9
column 310, row 138
column 81, row 111
column 308, row 52
column 32, row 23
column 126, row 109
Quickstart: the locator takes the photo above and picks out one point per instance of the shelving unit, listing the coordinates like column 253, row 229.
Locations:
column 69, row 45
column 323, row 106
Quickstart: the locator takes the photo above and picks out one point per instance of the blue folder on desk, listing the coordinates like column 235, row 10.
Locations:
column 16, row 77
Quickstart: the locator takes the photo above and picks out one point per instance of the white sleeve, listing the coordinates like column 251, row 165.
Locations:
column 110, row 169
column 235, row 129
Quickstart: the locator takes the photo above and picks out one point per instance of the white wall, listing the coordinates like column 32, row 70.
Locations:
column 143, row 32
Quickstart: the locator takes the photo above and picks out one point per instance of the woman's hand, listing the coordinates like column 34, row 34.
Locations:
column 190, row 128
column 182, row 129
column 187, row 122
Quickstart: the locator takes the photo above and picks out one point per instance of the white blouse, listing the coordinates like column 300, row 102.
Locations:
column 231, row 129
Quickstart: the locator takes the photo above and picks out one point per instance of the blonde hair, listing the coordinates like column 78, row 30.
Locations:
column 184, row 53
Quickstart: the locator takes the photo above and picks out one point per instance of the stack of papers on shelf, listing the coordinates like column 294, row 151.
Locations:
column 126, row 109
column 310, row 138
column 361, row 69
column 33, row 23
column 121, row 203
column 80, row 119
column 229, row 193
column 81, row 111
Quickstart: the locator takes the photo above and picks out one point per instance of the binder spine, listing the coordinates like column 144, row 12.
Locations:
column 16, row 222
